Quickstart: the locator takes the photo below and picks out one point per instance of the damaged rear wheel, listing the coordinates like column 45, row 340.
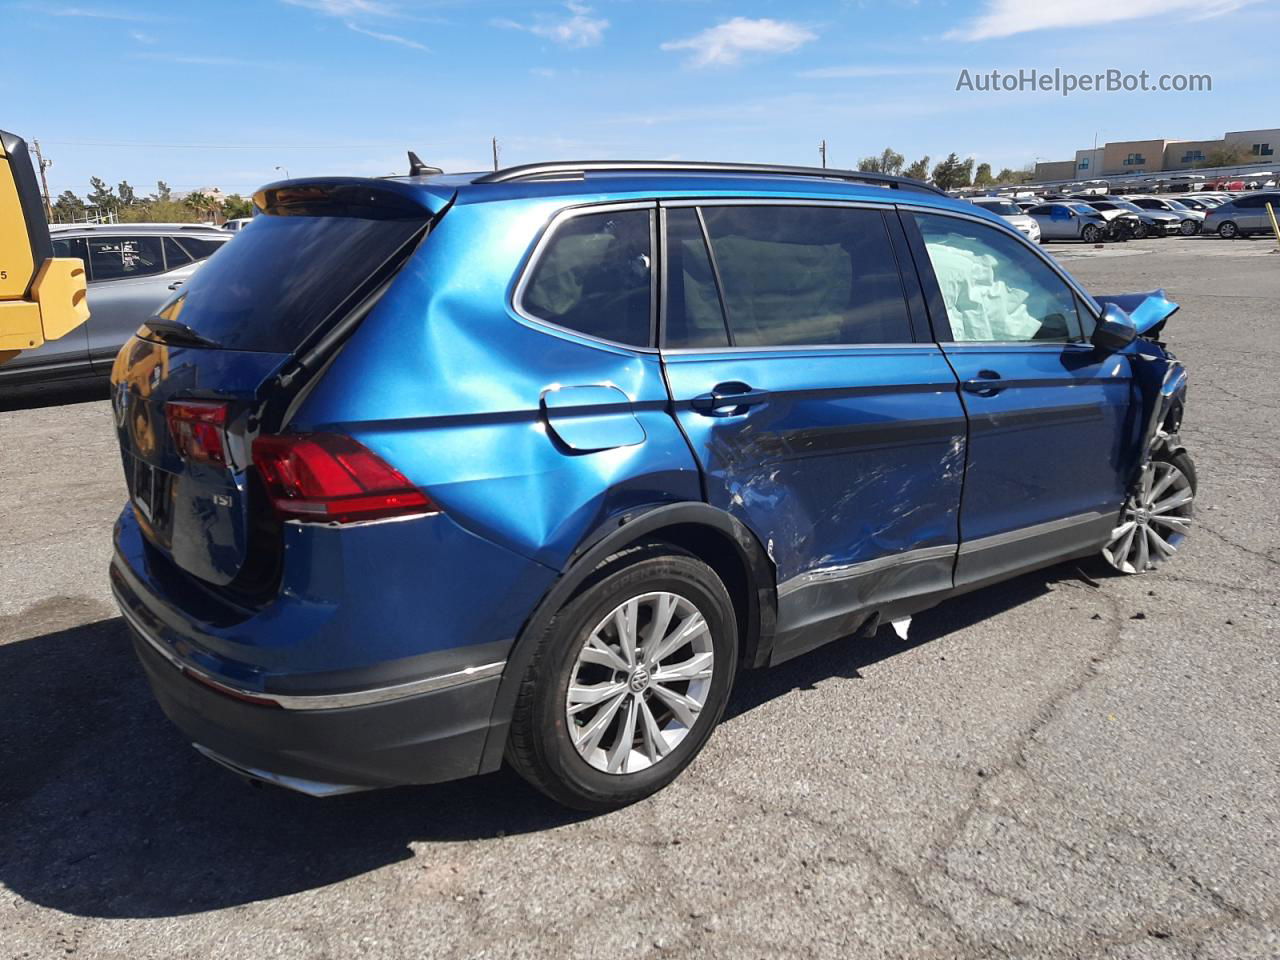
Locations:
column 1157, row 517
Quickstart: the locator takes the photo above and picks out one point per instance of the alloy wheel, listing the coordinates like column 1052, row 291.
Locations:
column 640, row 682
column 1154, row 522
column 1091, row 233
column 1228, row 230
column 1189, row 228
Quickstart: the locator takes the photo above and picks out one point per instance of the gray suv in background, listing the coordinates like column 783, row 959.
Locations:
column 132, row 270
column 1242, row 215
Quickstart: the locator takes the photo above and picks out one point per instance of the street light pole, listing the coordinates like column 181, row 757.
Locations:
column 286, row 171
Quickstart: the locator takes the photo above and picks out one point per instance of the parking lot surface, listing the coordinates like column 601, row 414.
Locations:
column 1066, row 765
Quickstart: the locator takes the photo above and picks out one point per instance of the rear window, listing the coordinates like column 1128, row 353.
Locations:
column 284, row 275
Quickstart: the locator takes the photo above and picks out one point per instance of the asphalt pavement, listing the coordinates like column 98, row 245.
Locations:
column 1068, row 765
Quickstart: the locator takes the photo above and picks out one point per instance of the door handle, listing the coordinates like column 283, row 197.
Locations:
column 728, row 399
column 983, row 386
column 175, row 285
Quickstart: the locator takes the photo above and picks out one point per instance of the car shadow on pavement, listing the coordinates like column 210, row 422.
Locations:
column 35, row 396
column 106, row 811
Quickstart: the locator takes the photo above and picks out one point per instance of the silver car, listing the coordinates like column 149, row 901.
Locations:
column 1069, row 220
column 1243, row 215
column 1010, row 211
column 132, row 270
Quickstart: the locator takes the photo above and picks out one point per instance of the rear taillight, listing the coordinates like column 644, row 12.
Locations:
column 198, row 428
column 331, row 478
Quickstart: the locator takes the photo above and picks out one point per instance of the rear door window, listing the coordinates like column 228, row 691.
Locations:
column 200, row 248
column 807, row 275
column 594, row 275
column 121, row 258
column 174, row 255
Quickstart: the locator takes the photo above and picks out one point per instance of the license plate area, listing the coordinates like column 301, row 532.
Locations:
column 149, row 489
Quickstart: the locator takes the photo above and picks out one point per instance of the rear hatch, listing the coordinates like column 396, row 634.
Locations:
column 219, row 364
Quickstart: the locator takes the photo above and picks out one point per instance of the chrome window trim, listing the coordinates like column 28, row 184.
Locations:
column 802, row 348
column 1009, row 230
column 319, row 701
column 701, row 202
column 561, row 216
column 775, row 202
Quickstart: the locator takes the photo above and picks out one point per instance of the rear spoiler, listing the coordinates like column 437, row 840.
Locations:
column 389, row 199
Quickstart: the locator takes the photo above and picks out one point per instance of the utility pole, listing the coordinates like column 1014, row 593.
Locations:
column 495, row 153
column 822, row 150
column 44, row 181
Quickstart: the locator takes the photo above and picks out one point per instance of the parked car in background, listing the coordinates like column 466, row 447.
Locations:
column 1142, row 223
column 132, row 270
column 1070, row 220
column 1122, row 223
column 1190, row 221
column 1195, row 203
column 1243, row 216
column 238, row 224
column 1011, row 212
column 429, row 472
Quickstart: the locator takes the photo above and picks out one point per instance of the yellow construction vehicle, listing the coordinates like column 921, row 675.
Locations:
column 42, row 297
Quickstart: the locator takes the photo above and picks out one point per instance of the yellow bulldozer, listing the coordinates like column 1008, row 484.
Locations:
column 42, row 297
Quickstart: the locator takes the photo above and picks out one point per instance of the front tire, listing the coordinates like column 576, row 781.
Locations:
column 628, row 681
column 1140, row 231
column 1091, row 234
column 1156, row 518
column 1189, row 228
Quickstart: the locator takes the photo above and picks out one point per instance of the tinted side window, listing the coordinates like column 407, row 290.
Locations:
column 595, row 276
column 200, row 248
column 116, row 258
column 807, row 276
column 69, row 247
column 1045, row 208
column 174, row 255
column 694, row 317
column 994, row 288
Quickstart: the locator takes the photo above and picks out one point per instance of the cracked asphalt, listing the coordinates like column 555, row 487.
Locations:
column 1046, row 768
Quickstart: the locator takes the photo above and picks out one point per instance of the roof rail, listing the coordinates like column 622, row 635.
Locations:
column 579, row 169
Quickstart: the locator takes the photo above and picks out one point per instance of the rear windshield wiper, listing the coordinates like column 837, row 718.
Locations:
column 178, row 334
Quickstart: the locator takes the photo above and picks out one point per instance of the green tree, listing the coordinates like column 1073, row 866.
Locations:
column 68, row 207
column 889, row 161
column 1226, row 157
column 102, row 196
column 199, row 203
column 236, row 206
column 919, row 170
column 983, row 177
column 162, row 191
column 953, row 172
column 126, row 194
column 158, row 211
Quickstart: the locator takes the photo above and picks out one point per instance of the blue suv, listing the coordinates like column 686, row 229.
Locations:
column 430, row 472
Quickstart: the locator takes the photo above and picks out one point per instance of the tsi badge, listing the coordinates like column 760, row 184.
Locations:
column 221, row 500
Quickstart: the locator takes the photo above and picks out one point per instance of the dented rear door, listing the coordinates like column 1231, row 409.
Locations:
column 845, row 458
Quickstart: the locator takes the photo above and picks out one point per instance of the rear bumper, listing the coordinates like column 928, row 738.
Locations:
column 422, row 738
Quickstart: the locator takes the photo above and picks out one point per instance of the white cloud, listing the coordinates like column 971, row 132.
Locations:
column 1004, row 18
column 579, row 29
column 345, row 8
column 726, row 43
column 388, row 37
column 141, row 37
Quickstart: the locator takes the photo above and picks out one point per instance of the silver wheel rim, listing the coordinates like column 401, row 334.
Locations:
column 1154, row 522
column 1091, row 234
column 1227, row 230
column 1188, row 227
column 640, row 682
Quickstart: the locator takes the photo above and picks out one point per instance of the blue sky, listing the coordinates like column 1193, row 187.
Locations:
column 220, row 94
